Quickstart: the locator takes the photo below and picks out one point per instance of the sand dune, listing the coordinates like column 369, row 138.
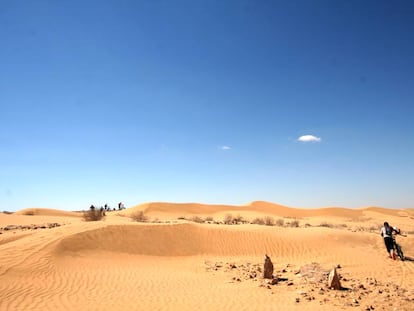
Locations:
column 38, row 216
column 47, row 212
column 195, row 239
column 176, row 264
column 184, row 209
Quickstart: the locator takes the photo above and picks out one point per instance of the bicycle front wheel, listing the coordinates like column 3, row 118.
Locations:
column 400, row 253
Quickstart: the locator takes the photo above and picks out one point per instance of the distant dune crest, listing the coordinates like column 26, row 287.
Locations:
column 262, row 207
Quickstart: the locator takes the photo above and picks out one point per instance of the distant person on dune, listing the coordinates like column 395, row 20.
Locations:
column 386, row 233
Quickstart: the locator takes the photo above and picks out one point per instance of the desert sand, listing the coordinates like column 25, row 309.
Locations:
column 185, row 257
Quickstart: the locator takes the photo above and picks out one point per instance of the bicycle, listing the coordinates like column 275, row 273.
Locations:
column 397, row 248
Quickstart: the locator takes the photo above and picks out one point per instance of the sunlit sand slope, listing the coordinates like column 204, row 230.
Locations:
column 118, row 264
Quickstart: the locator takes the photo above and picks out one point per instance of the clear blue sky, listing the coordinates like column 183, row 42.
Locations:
column 205, row 101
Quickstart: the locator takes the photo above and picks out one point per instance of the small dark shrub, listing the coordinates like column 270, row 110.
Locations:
column 294, row 223
column 269, row 221
column 343, row 226
column 93, row 215
column 197, row 219
column 258, row 221
column 139, row 216
column 326, row 225
column 238, row 219
column 228, row 219
column 280, row 222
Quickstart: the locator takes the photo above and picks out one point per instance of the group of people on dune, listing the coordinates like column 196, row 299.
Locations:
column 106, row 208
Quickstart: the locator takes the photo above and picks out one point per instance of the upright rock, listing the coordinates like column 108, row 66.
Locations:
column 333, row 280
column 268, row 268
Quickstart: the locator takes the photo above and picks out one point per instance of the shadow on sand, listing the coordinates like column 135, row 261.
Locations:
column 408, row 258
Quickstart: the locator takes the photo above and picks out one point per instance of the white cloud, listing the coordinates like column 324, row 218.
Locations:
column 225, row 148
column 309, row 138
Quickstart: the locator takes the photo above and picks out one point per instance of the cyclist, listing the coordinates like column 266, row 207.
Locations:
column 386, row 233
